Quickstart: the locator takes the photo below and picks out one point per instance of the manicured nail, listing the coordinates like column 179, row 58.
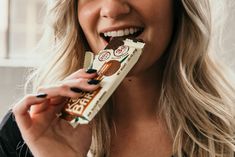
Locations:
column 91, row 71
column 93, row 82
column 76, row 90
column 41, row 95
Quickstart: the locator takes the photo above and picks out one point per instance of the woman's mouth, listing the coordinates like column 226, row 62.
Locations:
column 125, row 33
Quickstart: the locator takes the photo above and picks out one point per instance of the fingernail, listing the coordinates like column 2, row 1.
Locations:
column 76, row 90
column 41, row 95
column 93, row 82
column 91, row 71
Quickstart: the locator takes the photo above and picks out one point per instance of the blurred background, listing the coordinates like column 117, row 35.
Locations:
column 21, row 29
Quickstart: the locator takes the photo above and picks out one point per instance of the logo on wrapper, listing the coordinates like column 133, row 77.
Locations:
column 121, row 50
column 104, row 55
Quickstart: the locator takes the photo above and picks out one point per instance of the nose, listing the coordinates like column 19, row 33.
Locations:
column 114, row 8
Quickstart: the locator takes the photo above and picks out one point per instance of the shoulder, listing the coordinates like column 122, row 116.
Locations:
column 11, row 142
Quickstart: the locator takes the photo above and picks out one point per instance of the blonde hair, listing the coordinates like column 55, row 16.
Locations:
column 197, row 101
column 60, row 43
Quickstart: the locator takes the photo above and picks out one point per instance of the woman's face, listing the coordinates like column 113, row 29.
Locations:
column 149, row 20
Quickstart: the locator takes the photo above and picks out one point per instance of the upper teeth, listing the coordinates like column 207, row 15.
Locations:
column 122, row 32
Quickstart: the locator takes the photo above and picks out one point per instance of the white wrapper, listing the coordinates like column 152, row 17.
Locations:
column 113, row 64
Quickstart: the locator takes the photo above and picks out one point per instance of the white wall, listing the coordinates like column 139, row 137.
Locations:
column 11, row 86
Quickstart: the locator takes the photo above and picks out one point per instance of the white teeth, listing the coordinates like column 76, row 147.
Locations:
column 113, row 33
column 120, row 33
column 132, row 31
column 126, row 32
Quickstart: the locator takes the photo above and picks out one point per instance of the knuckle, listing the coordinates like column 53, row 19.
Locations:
column 63, row 87
column 24, row 101
column 27, row 99
column 80, row 70
column 80, row 81
column 93, row 88
column 40, row 89
column 73, row 95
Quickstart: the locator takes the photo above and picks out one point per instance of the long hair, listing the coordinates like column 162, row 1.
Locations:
column 197, row 100
column 62, row 45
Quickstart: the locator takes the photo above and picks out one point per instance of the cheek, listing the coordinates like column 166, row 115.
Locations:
column 162, row 28
column 158, row 37
column 159, row 43
column 87, row 16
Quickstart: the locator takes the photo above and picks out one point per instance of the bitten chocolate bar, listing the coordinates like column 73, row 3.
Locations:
column 113, row 64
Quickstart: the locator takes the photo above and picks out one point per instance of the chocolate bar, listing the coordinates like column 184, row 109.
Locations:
column 113, row 64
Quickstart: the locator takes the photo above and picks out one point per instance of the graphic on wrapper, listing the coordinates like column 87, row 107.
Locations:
column 121, row 50
column 104, row 55
column 111, row 67
column 77, row 106
column 112, row 60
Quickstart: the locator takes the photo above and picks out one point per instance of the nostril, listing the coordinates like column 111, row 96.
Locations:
column 114, row 9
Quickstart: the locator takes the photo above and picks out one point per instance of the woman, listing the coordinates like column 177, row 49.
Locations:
column 174, row 102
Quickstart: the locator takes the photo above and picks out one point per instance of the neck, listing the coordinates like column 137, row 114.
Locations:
column 137, row 97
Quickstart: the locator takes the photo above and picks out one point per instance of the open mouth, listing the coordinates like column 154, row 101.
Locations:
column 126, row 33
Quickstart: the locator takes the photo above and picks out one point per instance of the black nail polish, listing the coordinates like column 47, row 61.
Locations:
column 93, row 82
column 91, row 71
column 76, row 90
column 41, row 95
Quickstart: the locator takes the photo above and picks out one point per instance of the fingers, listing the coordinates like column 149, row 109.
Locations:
column 21, row 109
column 83, row 73
column 46, row 105
column 52, row 106
column 73, row 87
column 23, row 106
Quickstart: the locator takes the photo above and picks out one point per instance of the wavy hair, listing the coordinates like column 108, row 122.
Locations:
column 197, row 101
column 62, row 44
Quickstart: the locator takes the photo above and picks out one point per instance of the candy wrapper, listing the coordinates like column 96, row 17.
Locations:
column 113, row 64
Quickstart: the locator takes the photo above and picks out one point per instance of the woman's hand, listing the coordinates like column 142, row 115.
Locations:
column 44, row 132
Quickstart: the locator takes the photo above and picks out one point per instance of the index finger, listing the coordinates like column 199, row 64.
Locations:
column 21, row 109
